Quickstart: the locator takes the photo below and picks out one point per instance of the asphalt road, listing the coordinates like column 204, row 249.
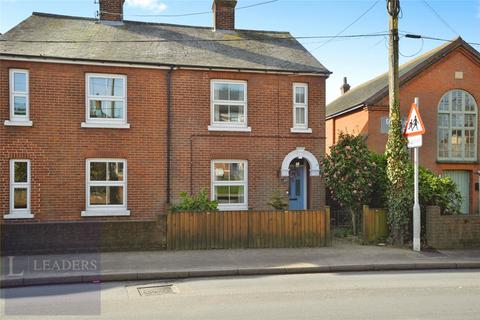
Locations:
column 452, row 295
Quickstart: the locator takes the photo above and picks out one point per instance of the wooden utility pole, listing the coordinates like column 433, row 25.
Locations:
column 397, row 157
column 393, row 8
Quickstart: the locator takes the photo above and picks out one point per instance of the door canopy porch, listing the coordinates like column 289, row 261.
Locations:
column 300, row 153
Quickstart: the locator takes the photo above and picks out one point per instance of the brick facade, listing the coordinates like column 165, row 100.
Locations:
column 429, row 85
column 58, row 146
column 265, row 147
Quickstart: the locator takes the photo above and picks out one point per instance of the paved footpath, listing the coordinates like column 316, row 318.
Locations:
column 149, row 265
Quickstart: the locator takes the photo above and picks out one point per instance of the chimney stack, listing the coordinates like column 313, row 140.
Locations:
column 224, row 14
column 345, row 87
column 111, row 10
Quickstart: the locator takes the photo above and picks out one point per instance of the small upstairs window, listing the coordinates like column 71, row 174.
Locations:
column 106, row 101
column 19, row 98
column 300, row 108
column 228, row 106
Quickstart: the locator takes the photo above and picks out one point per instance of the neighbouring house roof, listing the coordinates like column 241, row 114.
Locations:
column 373, row 91
column 74, row 38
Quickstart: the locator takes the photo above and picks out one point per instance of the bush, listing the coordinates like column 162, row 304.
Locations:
column 378, row 196
column 199, row 203
column 278, row 201
column 433, row 190
column 438, row 191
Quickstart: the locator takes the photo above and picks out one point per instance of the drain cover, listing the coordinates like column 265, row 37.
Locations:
column 156, row 290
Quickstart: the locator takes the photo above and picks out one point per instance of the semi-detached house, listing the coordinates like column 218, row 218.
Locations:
column 107, row 120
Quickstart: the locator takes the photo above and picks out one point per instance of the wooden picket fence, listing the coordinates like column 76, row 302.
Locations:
column 375, row 226
column 248, row 229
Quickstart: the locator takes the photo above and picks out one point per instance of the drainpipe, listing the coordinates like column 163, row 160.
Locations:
column 169, row 132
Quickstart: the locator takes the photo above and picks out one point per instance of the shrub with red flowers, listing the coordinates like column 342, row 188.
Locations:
column 349, row 173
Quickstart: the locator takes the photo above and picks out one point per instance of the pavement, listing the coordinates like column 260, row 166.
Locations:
column 160, row 265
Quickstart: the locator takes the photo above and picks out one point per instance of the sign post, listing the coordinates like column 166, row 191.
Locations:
column 414, row 129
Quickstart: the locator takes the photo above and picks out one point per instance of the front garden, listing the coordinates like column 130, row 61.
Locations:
column 356, row 177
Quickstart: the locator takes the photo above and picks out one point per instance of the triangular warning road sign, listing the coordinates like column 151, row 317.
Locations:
column 414, row 125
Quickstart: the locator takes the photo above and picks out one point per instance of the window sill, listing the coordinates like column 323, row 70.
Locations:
column 18, row 123
column 459, row 161
column 226, row 128
column 18, row 216
column 106, row 213
column 301, row 130
column 233, row 208
column 106, row 125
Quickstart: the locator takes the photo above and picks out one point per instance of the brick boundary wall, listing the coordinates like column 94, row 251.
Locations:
column 77, row 237
column 452, row 231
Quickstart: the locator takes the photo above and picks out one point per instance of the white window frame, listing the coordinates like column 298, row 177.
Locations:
column 225, row 126
column 450, row 112
column 105, row 123
column 19, row 213
column 244, row 183
column 18, row 120
column 106, row 210
column 300, row 128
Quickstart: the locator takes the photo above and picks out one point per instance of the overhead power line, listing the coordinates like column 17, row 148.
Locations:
column 348, row 26
column 201, row 40
column 197, row 13
column 440, row 17
column 417, row 36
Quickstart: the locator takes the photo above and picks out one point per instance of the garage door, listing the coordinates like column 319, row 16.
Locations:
column 462, row 180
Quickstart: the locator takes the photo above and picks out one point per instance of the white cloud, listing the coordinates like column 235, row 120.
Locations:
column 152, row 5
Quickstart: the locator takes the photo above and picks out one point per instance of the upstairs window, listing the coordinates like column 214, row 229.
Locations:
column 300, row 108
column 229, row 105
column 19, row 98
column 106, row 101
column 457, row 127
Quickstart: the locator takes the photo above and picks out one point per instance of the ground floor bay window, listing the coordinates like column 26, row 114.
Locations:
column 229, row 184
column 106, row 188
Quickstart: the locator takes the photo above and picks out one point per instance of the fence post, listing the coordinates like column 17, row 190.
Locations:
column 328, row 238
column 365, row 217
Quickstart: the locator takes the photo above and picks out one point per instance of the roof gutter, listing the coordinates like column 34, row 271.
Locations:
column 152, row 65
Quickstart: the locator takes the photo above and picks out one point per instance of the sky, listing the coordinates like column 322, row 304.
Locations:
column 358, row 59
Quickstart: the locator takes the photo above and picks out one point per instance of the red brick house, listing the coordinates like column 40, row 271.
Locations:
column 107, row 120
column 447, row 81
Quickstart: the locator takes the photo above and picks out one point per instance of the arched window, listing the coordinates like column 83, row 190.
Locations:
column 457, row 126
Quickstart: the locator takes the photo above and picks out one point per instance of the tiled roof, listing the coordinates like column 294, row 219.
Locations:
column 64, row 37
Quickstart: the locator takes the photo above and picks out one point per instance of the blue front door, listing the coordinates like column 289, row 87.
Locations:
column 297, row 192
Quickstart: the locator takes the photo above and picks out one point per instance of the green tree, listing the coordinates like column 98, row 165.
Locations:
column 348, row 173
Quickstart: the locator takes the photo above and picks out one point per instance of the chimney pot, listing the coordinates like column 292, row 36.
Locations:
column 111, row 10
column 224, row 14
column 345, row 87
